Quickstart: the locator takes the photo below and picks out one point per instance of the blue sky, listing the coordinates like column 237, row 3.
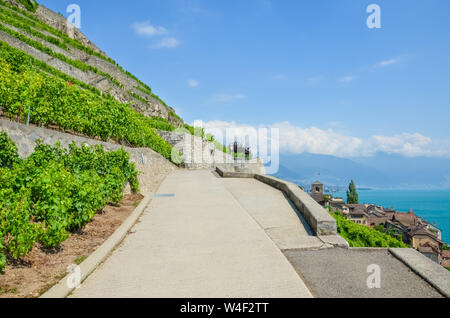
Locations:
column 312, row 68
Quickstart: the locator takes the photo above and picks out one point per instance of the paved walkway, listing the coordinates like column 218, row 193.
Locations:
column 273, row 211
column 342, row 273
column 208, row 240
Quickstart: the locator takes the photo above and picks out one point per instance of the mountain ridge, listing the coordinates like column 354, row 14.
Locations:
column 379, row 171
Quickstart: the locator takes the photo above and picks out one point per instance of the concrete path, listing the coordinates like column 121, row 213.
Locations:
column 205, row 241
column 273, row 211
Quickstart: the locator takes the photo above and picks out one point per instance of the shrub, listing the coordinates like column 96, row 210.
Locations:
column 30, row 5
column 161, row 124
column 362, row 236
column 8, row 151
column 55, row 191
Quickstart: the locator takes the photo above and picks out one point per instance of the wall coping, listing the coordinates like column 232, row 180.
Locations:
column 433, row 273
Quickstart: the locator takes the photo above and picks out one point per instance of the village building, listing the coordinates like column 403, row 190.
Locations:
column 377, row 216
column 357, row 214
column 430, row 251
column 433, row 228
column 413, row 230
column 420, row 236
column 445, row 259
column 338, row 204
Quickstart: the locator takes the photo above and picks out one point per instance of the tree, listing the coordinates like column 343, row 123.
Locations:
column 352, row 194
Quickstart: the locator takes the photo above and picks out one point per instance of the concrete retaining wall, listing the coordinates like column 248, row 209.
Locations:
column 152, row 166
column 241, row 170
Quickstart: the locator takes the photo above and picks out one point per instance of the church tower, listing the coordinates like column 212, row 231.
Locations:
column 317, row 188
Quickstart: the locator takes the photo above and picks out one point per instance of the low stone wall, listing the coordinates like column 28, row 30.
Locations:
column 152, row 166
column 241, row 170
column 320, row 221
column 436, row 275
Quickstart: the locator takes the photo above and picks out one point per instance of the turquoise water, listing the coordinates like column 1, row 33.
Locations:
column 431, row 205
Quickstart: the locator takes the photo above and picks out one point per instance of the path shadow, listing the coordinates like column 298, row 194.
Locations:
column 300, row 216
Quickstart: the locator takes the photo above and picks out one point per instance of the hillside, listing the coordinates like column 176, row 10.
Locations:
column 46, row 36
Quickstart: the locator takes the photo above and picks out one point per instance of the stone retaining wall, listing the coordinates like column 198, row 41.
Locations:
column 201, row 154
column 152, row 166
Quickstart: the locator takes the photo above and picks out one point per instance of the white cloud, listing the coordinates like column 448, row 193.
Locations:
column 387, row 62
column 146, row 28
column 167, row 43
column 192, row 83
column 224, row 98
column 295, row 139
column 410, row 145
column 347, row 79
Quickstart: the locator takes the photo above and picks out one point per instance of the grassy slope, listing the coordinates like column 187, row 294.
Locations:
column 363, row 236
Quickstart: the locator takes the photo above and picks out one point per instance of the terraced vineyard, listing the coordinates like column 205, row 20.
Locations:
column 33, row 34
column 52, row 101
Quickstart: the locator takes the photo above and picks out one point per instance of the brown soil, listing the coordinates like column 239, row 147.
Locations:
column 43, row 268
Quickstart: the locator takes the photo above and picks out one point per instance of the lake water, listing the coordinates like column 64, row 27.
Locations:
column 431, row 205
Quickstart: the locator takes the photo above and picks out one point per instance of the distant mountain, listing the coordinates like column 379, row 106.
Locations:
column 380, row 171
column 418, row 172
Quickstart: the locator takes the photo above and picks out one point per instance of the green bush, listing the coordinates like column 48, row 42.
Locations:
column 161, row 124
column 174, row 115
column 138, row 97
column 363, row 236
column 56, row 191
column 8, row 151
column 30, row 5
